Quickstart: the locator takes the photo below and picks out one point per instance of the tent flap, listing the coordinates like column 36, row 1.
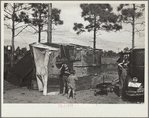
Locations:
column 45, row 63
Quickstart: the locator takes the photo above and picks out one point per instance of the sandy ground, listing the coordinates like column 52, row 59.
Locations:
column 23, row 95
column 84, row 94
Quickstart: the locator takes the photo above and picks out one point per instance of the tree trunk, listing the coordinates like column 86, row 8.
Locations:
column 49, row 33
column 13, row 34
column 39, row 34
column 133, row 27
column 94, row 44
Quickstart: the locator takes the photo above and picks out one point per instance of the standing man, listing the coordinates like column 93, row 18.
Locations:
column 120, row 61
column 64, row 77
column 62, row 70
column 122, row 72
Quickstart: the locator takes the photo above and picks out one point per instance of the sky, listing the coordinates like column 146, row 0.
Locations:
column 71, row 13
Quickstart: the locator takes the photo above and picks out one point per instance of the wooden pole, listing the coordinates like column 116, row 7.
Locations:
column 39, row 27
column 13, row 34
column 49, row 32
column 133, row 27
column 94, row 44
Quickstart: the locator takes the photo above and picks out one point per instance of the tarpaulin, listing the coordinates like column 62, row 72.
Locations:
column 45, row 63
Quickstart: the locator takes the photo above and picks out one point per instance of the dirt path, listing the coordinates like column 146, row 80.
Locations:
column 84, row 93
column 23, row 95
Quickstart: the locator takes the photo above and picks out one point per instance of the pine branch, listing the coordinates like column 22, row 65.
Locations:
column 124, row 31
column 18, row 10
column 140, row 23
column 53, row 28
column 128, row 22
column 7, row 17
column 139, row 30
column 20, row 26
column 29, row 31
column 11, row 6
column 137, row 6
column 17, row 23
column 8, row 26
column 22, row 9
column 98, row 33
column 21, row 31
column 17, row 7
column 127, row 30
column 44, row 30
column 8, row 8
column 33, row 28
column 7, row 12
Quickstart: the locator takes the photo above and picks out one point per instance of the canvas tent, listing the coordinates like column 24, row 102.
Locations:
column 21, row 73
column 47, row 60
column 36, row 59
column 43, row 61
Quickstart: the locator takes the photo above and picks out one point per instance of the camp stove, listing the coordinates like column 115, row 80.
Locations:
column 103, row 88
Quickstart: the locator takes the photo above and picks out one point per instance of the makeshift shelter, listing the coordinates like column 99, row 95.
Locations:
column 21, row 73
column 86, row 66
column 43, row 61
column 48, row 58
column 34, row 63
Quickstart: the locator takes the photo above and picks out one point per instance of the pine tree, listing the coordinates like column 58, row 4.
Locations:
column 40, row 15
column 100, row 17
column 16, row 12
column 130, row 13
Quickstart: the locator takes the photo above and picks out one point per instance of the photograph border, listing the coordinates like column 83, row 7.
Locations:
column 81, row 110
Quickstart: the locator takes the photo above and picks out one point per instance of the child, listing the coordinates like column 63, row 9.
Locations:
column 72, row 83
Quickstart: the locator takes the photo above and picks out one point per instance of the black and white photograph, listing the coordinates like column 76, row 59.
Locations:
column 66, row 55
